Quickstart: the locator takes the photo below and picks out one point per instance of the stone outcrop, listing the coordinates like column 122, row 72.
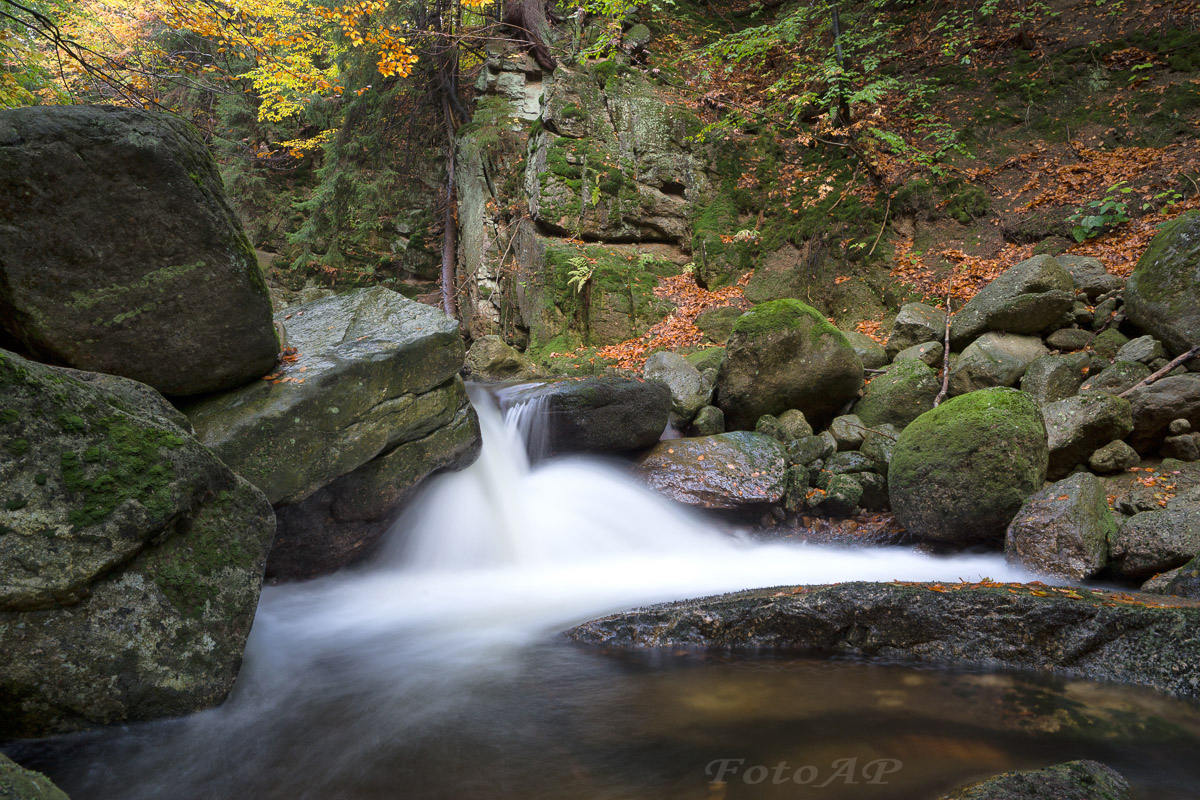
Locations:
column 130, row 558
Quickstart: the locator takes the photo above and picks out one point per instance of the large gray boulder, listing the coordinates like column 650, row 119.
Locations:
column 1162, row 296
column 1116, row 378
column 1155, row 406
column 994, row 359
column 727, row 471
column 961, row 472
column 1074, row 780
column 900, row 395
column 1028, row 298
column 601, row 415
column 689, row 391
column 1156, row 541
column 916, row 323
column 120, row 253
column 784, row 354
column 1080, row 425
column 123, row 543
column 1078, row 633
column 369, row 406
column 1064, row 529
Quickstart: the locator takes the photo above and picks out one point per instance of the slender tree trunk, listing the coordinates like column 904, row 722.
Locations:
column 843, row 106
column 450, row 236
column 528, row 18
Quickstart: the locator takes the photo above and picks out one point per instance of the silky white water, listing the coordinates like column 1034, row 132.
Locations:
column 430, row 653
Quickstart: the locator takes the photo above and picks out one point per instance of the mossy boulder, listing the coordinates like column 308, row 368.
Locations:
column 18, row 783
column 1080, row 425
column 1074, row 780
column 1028, row 298
column 1162, row 296
column 131, row 559
column 1064, row 529
column 121, row 253
column 717, row 323
column 728, row 471
column 960, row 472
column 781, row 355
column 900, row 395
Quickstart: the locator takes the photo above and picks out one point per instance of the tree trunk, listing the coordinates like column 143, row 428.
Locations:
column 528, row 18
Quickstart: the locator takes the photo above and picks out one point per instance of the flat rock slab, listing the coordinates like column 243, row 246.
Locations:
column 119, row 252
column 361, row 380
column 1127, row 638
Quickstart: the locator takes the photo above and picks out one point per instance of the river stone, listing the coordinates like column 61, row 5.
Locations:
column 1185, row 582
column 1104, row 311
column 121, row 253
column 931, row 353
column 808, row 449
column 1145, row 349
column 1108, row 343
column 1074, row 780
column 373, row 370
column 491, row 358
column 878, row 444
column 123, row 542
column 1028, row 298
column 960, row 472
column 840, row 496
column 1052, row 378
column 1162, row 296
column 1117, row 378
column 1185, row 447
column 847, row 431
column 603, row 415
column 727, row 471
column 916, row 323
column 794, row 424
column 1089, row 275
column 709, row 421
column 849, row 462
column 994, row 359
column 1068, row 339
column 1078, row 426
column 1156, row 405
column 1155, row 541
column 18, row 783
column 1064, row 529
column 784, row 354
column 1113, row 457
column 900, row 395
column 874, row 491
column 689, row 392
column 869, row 352
column 1091, row 637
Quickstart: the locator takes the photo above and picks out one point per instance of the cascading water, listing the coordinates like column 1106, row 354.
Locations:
column 433, row 670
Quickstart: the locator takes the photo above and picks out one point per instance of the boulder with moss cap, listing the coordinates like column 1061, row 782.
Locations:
column 781, row 355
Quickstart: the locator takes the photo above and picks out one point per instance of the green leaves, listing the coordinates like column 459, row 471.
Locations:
column 1099, row 216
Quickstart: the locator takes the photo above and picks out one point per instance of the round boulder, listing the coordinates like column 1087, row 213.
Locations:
column 960, row 472
column 727, row 471
column 784, row 354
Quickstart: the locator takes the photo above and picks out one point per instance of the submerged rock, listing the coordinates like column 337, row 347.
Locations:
column 1074, row 780
column 1064, row 529
column 131, row 559
column 1089, row 637
column 781, row 355
column 121, row 255
column 726, row 471
column 960, row 472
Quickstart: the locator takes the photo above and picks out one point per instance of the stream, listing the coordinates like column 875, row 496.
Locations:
column 435, row 670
